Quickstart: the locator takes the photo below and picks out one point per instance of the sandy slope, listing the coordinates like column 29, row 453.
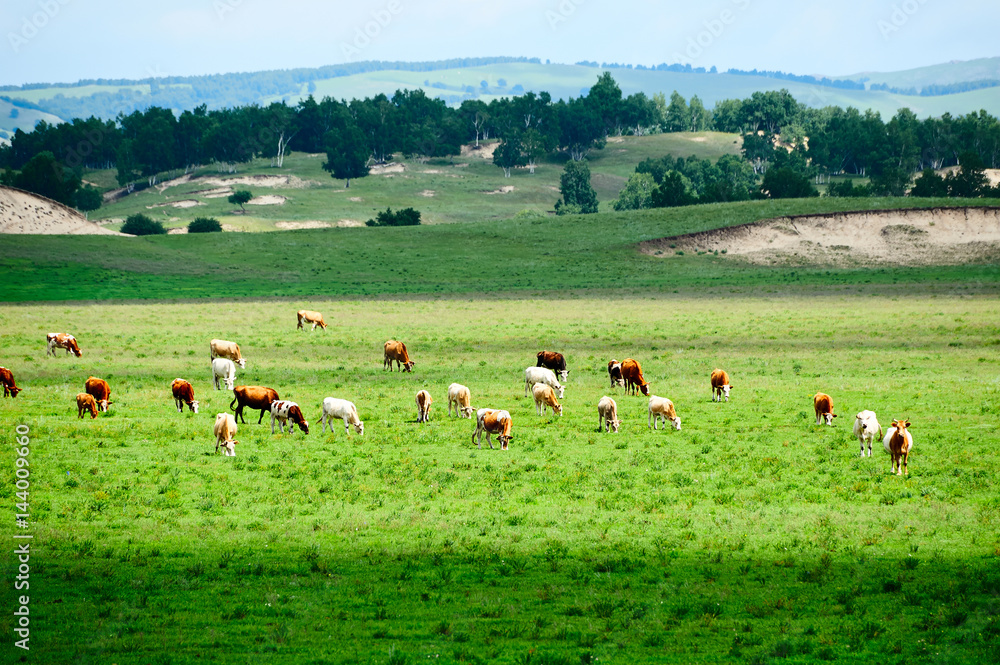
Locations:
column 23, row 212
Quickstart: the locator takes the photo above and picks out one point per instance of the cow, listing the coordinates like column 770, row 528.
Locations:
column 225, row 369
column 720, row 385
column 424, row 402
column 544, row 397
column 460, row 396
column 101, row 391
column 661, row 407
column 86, row 402
column 632, row 373
column 615, row 373
column 62, row 341
column 607, row 415
column 533, row 375
column 823, row 405
column 898, row 443
column 554, row 361
column 495, row 422
column 865, row 426
column 334, row 408
column 225, row 431
column 315, row 318
column 9, row 386
column 223, row 349
column 396, row 351
column 283, row 411
column 254, row 397
column 184, row 394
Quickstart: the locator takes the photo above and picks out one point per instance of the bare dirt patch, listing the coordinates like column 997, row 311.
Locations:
column 484, row 151
column 178, row 231
column 383, row 169
column 506, row 189
column 23, row 212
column 428, row 193
column 184, row 203
column 308, row 224
column 355, row 199
column 922, row 236
column 267, row 200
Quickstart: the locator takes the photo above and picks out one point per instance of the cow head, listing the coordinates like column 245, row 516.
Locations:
column 725, row 391
column 467, row 411
column 103, row 404
column 614, row 424
column 828, row 418
column 677, row 423
column 408, row 367
column 242, row 363
column 562, row 374
column 194, row 405
column 229, row 382
column 504, row 440
column 295, row 415
column 562, row 389
column 645, row 391
column 359, row 427
column 14, row 390
column 229, row 448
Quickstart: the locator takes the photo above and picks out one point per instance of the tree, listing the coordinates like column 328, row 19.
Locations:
column 240, row 197
column 141, row 225
column 701, row 118
column 508, row 154
column 678, row 118
column 929, row 184
column 347, row 153
column 674, row 191
column 88, row 198
column 971, row 180
column 580, row 129
column 205, row 225
column 404, row 217
column 784, row 183
column 578, row 196
column 605, row 101
column 44, row 175
column 637, row 193
column 847, row 189
column 758, row 149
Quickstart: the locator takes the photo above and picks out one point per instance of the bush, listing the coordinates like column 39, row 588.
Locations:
column 205, row 225
column 88, row 198
column 404, row 217
column 141, row 225
column 847, row 188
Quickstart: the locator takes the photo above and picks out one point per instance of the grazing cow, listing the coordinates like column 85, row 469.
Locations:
column 460, row 396
column 86, row 402
column 615, row 373
column 544, row 397
column 225, row 369
column 101, row 391
column 495, row 422
column 283, row 411
column 865, row 426
column 9, row 386
column 254, row 397
column 554, row 361
column 62, row 341
column 424, row 402
column 396, row 351
column 184, row 394
column 223, row 349
column 720, row 385
column 225, row 431
column 334, row 408
column 661, row 407
column 632, row 373
column 823, row 404
column 315, row 318
column 898, row 443
column 607, row 415
column 533, row 375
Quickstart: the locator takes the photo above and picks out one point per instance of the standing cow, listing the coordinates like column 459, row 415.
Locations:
column 224, row 349
column 720, row 385
column 225, row 433
column 101, row 391
column 307, row 316
column 663, row 408
column 9, row 386
column 424, row 402
column 632, row 373
column 865, row 427
column 545, row 397
column 340, row 409
column 607, row 415
column 184, row 394
column 254, row 397
column 225, row 369
column 823, row 405
column 495, row 422
column 460, row 396
column 85, row 402
column 60, row 340
column 533, row 375
column 898, row 443
column 554, row 361
column 396, row 351
column 615, row 373
column 284, row 411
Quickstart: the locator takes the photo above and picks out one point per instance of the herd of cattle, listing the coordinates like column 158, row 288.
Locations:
column 544, row 381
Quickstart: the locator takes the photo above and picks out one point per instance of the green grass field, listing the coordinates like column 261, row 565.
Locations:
column 751, row 535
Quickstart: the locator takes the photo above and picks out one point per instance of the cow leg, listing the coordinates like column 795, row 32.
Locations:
column 347, row 427
column 261, row 417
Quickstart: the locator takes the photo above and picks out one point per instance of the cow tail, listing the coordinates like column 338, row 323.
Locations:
column 231, row 408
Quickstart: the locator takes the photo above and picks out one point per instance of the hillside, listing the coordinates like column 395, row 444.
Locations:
column 942, row 74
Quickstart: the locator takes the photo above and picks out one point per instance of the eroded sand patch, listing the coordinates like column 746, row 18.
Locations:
column 267, row 200
column 23, row 212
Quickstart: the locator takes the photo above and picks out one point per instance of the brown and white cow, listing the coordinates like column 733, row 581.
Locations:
column 62, row 341
column 424, row 402
column 85, row 402
column 101, row 391
column 308, row 316
column 223, row 349
column 554, row 361
column 396, row 351
column 284, row 411
column 720, row 385
column 545, row 397
column 607, row 415
column 898, row 443
column 9, row 386
column 225, row 434
column 661, row 407
column 492, row 421
column 184, row 394
column 615, row 373
column 253, row 397
column 632, row 373
column 823, row 405
column 460, row 396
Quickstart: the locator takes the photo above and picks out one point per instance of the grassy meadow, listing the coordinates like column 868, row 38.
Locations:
column 751, row 535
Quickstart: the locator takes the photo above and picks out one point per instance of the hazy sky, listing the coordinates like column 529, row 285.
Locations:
column 68, row 40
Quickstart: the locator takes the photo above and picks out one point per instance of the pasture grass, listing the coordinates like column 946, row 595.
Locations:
column 751, row 535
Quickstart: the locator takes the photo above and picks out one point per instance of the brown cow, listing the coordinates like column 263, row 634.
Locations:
column 184, row 394
column 554, row 361
column 495, row 422
column 254, row 397
column 62, row 341
column 720, row 385
column 396, row 351
column 7, row 379
column 85, row 402
column 615, row 373
column 823, row 404
column 424, row 402
column 101, row 391
column 632, row 373
column 898, row 442
column 315, row 318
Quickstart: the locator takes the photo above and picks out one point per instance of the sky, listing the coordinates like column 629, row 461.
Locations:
column 70, row 40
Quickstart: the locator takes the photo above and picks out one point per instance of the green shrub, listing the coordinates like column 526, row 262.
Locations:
column 141, row 225
column 205, row 225
column 404, row 217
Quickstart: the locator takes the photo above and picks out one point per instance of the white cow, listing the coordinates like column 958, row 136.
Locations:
column 334, row 408
column 225, row 430
column 225, row 369
column 865, row 427
column 460, row 396
column 661, row 407
column 544, row 397
column 534, row 375
column 607, row 415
